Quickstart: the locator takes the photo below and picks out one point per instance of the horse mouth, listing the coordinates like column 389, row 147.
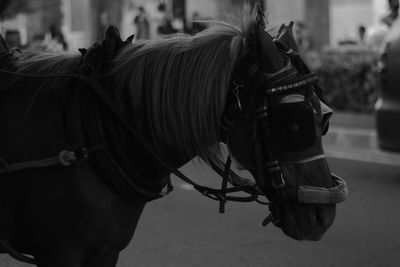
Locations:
column 305, row 221
column 309, row 210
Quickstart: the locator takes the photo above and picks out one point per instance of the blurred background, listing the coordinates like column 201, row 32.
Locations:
column 354, row 46
column 326, row 30
column 325, row 22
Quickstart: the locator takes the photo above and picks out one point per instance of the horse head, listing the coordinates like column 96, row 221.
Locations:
column 274, row 121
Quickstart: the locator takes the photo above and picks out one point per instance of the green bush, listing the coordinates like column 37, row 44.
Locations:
column 349, row 78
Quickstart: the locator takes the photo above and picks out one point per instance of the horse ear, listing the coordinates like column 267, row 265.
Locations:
column 83, row 51
column 112, row 42
column 3, row 45
column 286, row 36
column 129, row 40
column 290, row 26
column 262, row 44
column 281, row 29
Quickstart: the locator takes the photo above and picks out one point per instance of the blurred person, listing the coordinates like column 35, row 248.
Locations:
column 375, row 36
column 303, row 38
column 162, row 7
column 13, row 38
column 58, row 36
column 51, row 41
column 394, row 33
column 361, row 34
column 392, row 36
column 178, row 20
column 38, row 43
column 166, row 27
column 142, row 25
column 393, row 13
column 196, row 25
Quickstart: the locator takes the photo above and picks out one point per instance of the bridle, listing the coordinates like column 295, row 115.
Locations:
column 293, row 77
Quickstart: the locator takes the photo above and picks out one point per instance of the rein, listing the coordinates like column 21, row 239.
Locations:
column 70, row 157
column 88, row 75
column 66, row 158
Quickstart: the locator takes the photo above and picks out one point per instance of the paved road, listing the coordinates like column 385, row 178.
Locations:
column 186, row 230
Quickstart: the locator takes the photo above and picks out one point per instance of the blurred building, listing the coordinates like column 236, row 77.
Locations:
column 327, row 22
column 311, row 15
column 47, row 15
column 86, row 20
column 180, row 12
column 17, row 25
column 347, row 15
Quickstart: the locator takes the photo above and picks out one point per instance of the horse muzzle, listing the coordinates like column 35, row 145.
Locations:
column 307, row 210
column 314, row 211
column 305, row 221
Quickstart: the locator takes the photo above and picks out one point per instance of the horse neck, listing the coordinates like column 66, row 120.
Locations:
column 165, row 155
column 175, row 100
column 168, row 155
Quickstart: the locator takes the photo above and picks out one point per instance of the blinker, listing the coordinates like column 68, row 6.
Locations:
column 295, row 126
column 327, row 113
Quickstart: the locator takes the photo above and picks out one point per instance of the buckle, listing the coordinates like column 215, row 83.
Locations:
column 278, row 184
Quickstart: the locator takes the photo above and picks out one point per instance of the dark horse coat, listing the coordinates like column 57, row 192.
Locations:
column 45, row 211
column 80, row 112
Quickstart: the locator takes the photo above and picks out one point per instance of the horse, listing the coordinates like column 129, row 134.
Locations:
column 88, row 139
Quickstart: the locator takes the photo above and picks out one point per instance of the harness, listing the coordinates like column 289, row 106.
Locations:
column 88, row 76
column 89, row 72
column 89, row 79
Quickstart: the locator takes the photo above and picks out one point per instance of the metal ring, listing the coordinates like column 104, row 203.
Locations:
column 66, row 157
